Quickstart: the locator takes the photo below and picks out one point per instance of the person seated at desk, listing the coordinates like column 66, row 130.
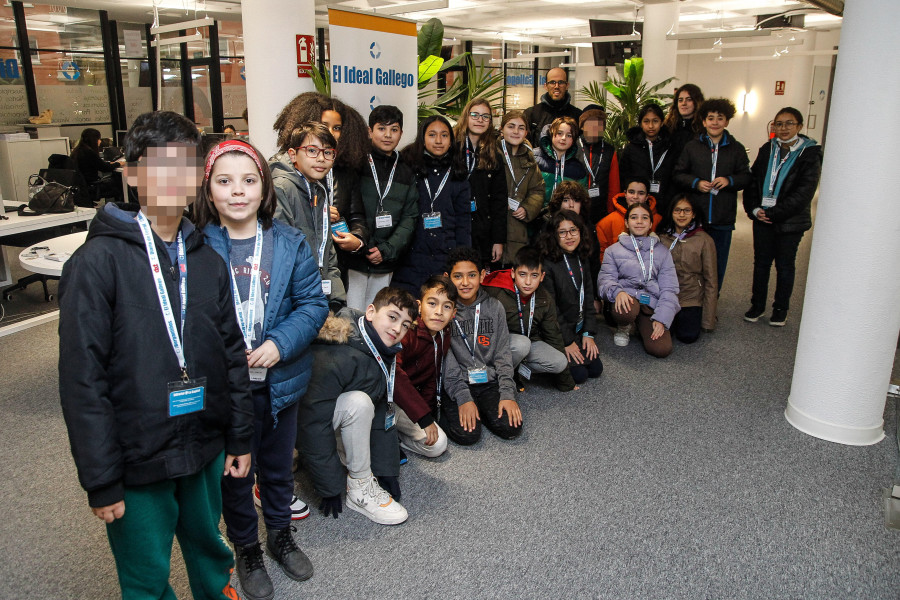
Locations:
column 91, row 165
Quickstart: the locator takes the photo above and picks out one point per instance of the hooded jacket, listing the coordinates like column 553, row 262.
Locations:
column 695, row 165
column 544, row 113
column 621, row 272
column 698, row 280
column 544, row 326
column 602, row 165
column 559, row 284
column 634, row 161
column 529, row 194
column 116, row 360
column 549, row 165
column 490, row 344
column 613, row 224
column 342, row 362
column 296, row 208
column 295, row 309
column 791, row 212
column 417, row 377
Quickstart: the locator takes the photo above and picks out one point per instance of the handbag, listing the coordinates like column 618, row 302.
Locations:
column 47, row 197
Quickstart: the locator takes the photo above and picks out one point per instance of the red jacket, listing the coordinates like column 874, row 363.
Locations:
column 415, row 387
column 610, row 226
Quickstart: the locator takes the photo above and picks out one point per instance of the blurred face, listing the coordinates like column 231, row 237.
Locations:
column 639, row 222
column 167, row 178
column 437, row 139
column 390, row 322
column 568, row 236
column 557, row 84
column 514, row 132
column 479, row 119
column 385, row 137
column 313, row 168
column 715, row 124
column 562, row 140
column 235, row 187
column 467, row 279
column 332, row 120
column 786, row 126
column 636, row 192
column 593, row 130
column 686, row 106
column 650, row 125
column 528, row 279
column 570, row 203
column 682, row 214
column 436, row 309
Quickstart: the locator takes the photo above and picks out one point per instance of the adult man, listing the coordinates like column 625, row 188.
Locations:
column 555, row 103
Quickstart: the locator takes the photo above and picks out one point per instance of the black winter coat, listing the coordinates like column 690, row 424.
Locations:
column 116, row 359
column 545, row 112
column 634, row 161
column 488, row 189
column 684, row 132
column 791, row 212
column 559, row 284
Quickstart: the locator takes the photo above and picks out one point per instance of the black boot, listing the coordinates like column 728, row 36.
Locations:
column 252, row 573
column 281, row 547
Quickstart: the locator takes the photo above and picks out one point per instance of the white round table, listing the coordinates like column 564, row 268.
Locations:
column 50, row 262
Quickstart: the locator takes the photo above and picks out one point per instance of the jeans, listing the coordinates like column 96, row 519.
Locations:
column 721, row 235
column 769, row 246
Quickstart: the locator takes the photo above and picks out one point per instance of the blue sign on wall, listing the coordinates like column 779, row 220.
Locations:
column 9, row 69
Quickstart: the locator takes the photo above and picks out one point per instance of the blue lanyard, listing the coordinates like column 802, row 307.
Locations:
column 521, row 317
column 645, row 276
column 246, row 322
column 474, row 333
column 580, row 288
column 388, row 377
column 434, row 196
column 439, row 366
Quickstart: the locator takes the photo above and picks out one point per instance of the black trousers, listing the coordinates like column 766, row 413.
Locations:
column 487, row 399
column 769, row 246
column 686, row 325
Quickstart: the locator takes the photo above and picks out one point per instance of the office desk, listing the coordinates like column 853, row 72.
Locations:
column 51, row 261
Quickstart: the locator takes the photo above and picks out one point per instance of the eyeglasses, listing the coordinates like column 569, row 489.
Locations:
column 564, row 233
column 480, row 116
column 780, row 124
column 682, row 211
column 313, row 152
column 560, row 83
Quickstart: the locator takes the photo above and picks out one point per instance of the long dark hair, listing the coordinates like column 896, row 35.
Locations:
column 487, row 143
column 89, row 142
column 667, row 225
column 414, row 153
column 549, row 239
column 674, row 116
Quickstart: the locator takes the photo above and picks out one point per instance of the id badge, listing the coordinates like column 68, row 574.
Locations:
column 186, row 397
column 768, row 202
column 714, row 191
column 594, row 192
column 478, row 375
column 644, row 298
column 258, row 373
column 513, row 204
column 383, row 219
column 389, row 416
column 474, row 206
column 326, row 286
column 340, row 227
column 524, row 371
column 654, row 186
column 432, row 220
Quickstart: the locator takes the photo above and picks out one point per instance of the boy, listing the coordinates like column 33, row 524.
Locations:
column 304, row 201
column 421, row 375
column 391, row 200
column 610, row 226
column 535, row 341
column 599, row 159
column 154, row 385
column 351, row 393
column 478, row 376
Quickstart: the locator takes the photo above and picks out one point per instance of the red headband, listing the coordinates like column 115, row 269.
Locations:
column 230, row 146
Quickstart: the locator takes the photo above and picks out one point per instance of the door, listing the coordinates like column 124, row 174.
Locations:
column 819, row 97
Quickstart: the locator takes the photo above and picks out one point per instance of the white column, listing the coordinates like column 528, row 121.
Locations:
column 270, row 56
column 659, row 54
column 851, row 319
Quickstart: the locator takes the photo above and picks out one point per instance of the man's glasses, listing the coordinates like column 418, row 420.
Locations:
column 313, row 152
column 559, row 83
column 480, row 116
column 564, row 233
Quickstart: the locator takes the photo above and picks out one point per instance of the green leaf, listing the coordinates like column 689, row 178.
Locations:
column 454, row 61
column 430, row 38
column 429, row 67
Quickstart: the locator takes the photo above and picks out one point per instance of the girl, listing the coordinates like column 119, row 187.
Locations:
column 694, row 255
column 649, row 155
column 478, row 147
column 557, row 156
column 681, row 121
column 600, row 161
column 280, row 307
column 97, row 173
column 566, row 246
column 785, row 175
column 638, row 275
column 445, row 218
column 524, row 184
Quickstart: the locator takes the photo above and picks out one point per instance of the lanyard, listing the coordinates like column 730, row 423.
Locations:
column 326, row 217
column 715, row 160
column 653, row 167
column 777, row 169
column 645, row 276
column 329, row 179
column 470, row 152
column 530, row 314
column 511, row 172
column 440, row 187
column 388, row 377
column 580, row 288
column 590, row 161
column 439, row 365
column 677, row 239
column 474, row 333
column 246, row 321
column 390, row 181
column 560, row 170
column 163, row 294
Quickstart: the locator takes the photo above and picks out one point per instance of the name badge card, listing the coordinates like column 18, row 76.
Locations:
column 474, row 206
column 768, row 202
column 340, row 227
column 383, row 219
column 644, row 298
column 714, row 191
column 258, row 373
column 478, row 375
column 594, row 192
column 432, row 220
column 389, row 416
column 654, row 186
column 326, row 286
column 186, row 397
column 513, row 204
column 524, row 371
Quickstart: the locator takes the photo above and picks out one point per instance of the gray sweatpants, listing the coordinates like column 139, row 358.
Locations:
column 538, row 356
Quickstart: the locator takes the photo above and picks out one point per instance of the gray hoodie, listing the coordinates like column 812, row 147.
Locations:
column 491, row 345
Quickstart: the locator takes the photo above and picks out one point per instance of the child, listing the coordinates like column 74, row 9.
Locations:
column 557, row 157
column 391, row 201
column 421, row 375
column 303, row 201
column 535, row 340
column 599, row 159
column 153, row 384
column 715, row 167
column 280, row 307
column 478, row 376
column 649, row 154
column 610, row 226
column 352, row 393
column 524, row 184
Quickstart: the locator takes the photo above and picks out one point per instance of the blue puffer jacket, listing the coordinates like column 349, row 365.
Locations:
column 295, row 309
column 621, row 272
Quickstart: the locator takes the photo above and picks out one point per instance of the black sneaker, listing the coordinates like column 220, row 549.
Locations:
column 281, row 547
column 252, row 573
column 753, row 315
column 778, row 318
column 519, row 381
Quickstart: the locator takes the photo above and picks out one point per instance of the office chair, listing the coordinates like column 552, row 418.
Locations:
column 85, row 195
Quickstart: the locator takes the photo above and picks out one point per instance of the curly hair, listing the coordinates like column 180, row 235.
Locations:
column 723, row 106
column 487, row 143
column 549, row 239
column 573, row 189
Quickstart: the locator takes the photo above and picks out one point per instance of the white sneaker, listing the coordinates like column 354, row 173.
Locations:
column 365, row 496
column 622, row 335
column 299, row 508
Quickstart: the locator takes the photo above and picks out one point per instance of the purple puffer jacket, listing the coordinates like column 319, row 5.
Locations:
column 621, row 272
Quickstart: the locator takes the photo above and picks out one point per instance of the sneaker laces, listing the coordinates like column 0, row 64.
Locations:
column 284, row 541
column 376, row 492
column 253, row 557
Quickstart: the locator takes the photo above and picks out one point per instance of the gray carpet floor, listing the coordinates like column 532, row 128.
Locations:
column 675, row 478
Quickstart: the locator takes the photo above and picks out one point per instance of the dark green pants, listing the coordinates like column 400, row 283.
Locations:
column 141, row 541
